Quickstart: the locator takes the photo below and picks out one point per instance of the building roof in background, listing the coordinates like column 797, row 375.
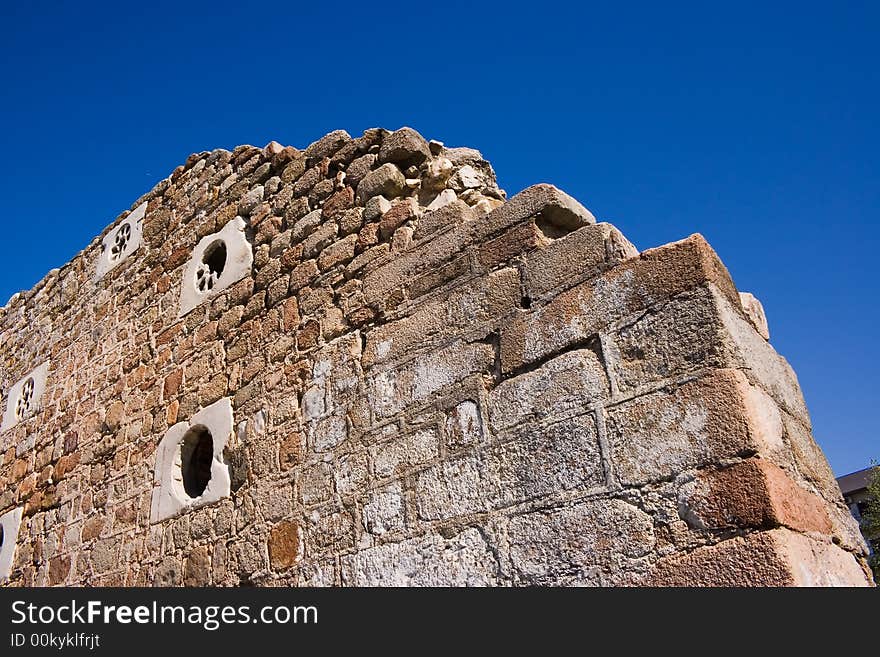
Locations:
column 854, row 481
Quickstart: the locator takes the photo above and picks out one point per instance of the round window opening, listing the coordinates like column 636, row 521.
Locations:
column 211, row 267
column 196, row 455
column 25, row 399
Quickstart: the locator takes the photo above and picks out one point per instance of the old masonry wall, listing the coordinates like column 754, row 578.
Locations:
column 359, row 364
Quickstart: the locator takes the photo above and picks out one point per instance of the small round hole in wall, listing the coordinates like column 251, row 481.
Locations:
column 212, row 266
column 196, row 455
column 25, row 399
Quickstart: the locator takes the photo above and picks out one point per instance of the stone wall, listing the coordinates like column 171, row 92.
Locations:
column 378, row 371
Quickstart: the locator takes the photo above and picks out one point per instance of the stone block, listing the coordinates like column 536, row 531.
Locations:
column 717, row 417
column 632, row 286
column 462, row 560
column 752, row 494
column 285, row 545
column 478, row 302
column 592, row 543
column 593, row 247
column 387, row 181
column 395, row 389
column 570, row 384
column 545, row 459
column 775, row 558
column 452, row 488
column 404, row 147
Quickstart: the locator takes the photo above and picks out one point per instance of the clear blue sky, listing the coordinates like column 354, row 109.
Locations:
column 755, row 124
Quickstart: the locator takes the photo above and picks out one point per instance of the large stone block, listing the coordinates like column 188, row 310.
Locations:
column 476, row 303
column 393, row 390
column 463, row 560
column 593, row 247
column 544, row 459
column 597, row 542
column 752, row 494
column 633, row 286
column 716, row 417
column 776, row 558
column 568, row 384
column 455, row 487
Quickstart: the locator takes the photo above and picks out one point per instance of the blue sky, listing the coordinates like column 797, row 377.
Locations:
column 755, row 124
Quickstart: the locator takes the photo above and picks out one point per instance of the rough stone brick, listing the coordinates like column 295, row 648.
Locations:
column 197, row 570
column 284, row 545
column 775, row 558
column 384, row 511
column 462, row 560
column 568, row 384
column 752, row 493
column 543, row 459
column 455, row 487
column 548, row 267
column 716, row 417
column 592, row 543
column 633, row 286
column 482, row 301
column 393, row 390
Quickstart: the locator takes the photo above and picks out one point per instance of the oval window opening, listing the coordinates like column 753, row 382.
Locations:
column 196, row 454
column 1, row 537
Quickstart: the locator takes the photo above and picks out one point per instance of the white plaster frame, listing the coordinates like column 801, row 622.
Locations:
column 239, row 260
column 39, row 375
column 10, row 521
column 169, row 497
column 135, row 224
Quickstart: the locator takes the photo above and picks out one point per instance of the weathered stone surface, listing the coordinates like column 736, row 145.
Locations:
column 776, row 558
column 755, row 312
column 463, row 560
column 284, row 545
column 420, row 384
column 542, row 459
column 593, row 543
column 636, row 284
column 569, row 384
column 387, row 180
column 752, row 493
column 717, row 417
column 473, row 304
column 404, row 147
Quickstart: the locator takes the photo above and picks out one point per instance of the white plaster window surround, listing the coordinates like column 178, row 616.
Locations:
column 122, row 241
column 218, row 261
column 9, row 524
column 190, row 471
column 25, row 397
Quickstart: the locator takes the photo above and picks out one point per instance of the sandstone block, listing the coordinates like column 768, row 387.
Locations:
column 592, row 543
column 284, row 545
column 632, row 286
column 569, row 384
column 481, row 301
column 404, row 147
column 545, row 459
column 717, row 417
column 776, row 558
column 387, row 180
column 593, row 247
column 752, row 493
column 463, row 560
